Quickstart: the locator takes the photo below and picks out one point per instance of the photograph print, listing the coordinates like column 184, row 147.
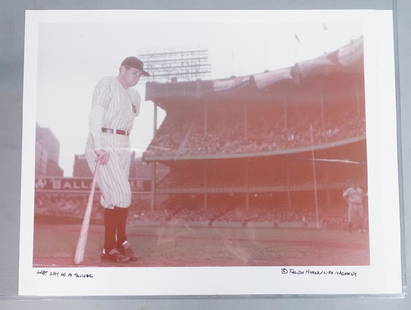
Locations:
column 227, row 141
column 261, row 162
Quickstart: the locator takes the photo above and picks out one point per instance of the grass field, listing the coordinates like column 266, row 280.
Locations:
column 185, row 245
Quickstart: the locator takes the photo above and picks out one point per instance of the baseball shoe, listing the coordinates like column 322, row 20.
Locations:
column 126, row 250
column 114, row 256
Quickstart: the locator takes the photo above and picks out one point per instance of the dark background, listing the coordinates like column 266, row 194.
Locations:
column 11, row 81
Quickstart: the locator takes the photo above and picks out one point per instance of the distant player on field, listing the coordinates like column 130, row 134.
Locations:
column 354, row 195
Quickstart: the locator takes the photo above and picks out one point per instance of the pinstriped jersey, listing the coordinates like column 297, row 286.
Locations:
column 113, row 107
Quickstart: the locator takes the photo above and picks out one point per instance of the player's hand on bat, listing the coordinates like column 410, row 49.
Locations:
column 102, row 156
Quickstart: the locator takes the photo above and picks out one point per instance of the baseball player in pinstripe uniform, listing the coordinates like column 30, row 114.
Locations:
column 354, row 195
column 115, row 104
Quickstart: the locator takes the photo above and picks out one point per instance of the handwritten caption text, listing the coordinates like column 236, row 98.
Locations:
column 61, row 274
column 320, row 272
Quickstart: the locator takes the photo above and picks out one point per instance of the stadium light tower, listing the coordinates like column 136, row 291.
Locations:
column 176, row 65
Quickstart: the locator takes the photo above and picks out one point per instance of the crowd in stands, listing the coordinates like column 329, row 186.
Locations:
column 66, row 205
column 190, row 211
column 59, row 204
column 334, row 221
column 263, row 131
column 225, row 214
column 237, row 215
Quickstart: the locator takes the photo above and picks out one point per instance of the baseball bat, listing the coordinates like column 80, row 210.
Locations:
column 82, row 240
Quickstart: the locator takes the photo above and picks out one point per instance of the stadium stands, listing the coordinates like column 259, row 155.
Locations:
column 265, row 132
column 225, row 209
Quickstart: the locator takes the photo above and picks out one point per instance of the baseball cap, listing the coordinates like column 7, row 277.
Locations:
column 136, row 63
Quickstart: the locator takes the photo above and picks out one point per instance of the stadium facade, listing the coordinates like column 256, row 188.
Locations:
column 288, row 140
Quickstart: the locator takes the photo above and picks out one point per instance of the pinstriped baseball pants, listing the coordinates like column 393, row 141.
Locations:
column 113, row 177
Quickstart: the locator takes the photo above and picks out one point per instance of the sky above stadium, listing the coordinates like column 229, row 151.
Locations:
column 73, row 54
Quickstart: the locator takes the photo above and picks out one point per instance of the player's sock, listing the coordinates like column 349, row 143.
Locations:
column 110, row 229
column 122, row 214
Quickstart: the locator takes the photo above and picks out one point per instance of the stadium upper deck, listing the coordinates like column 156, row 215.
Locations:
column 317, row 103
